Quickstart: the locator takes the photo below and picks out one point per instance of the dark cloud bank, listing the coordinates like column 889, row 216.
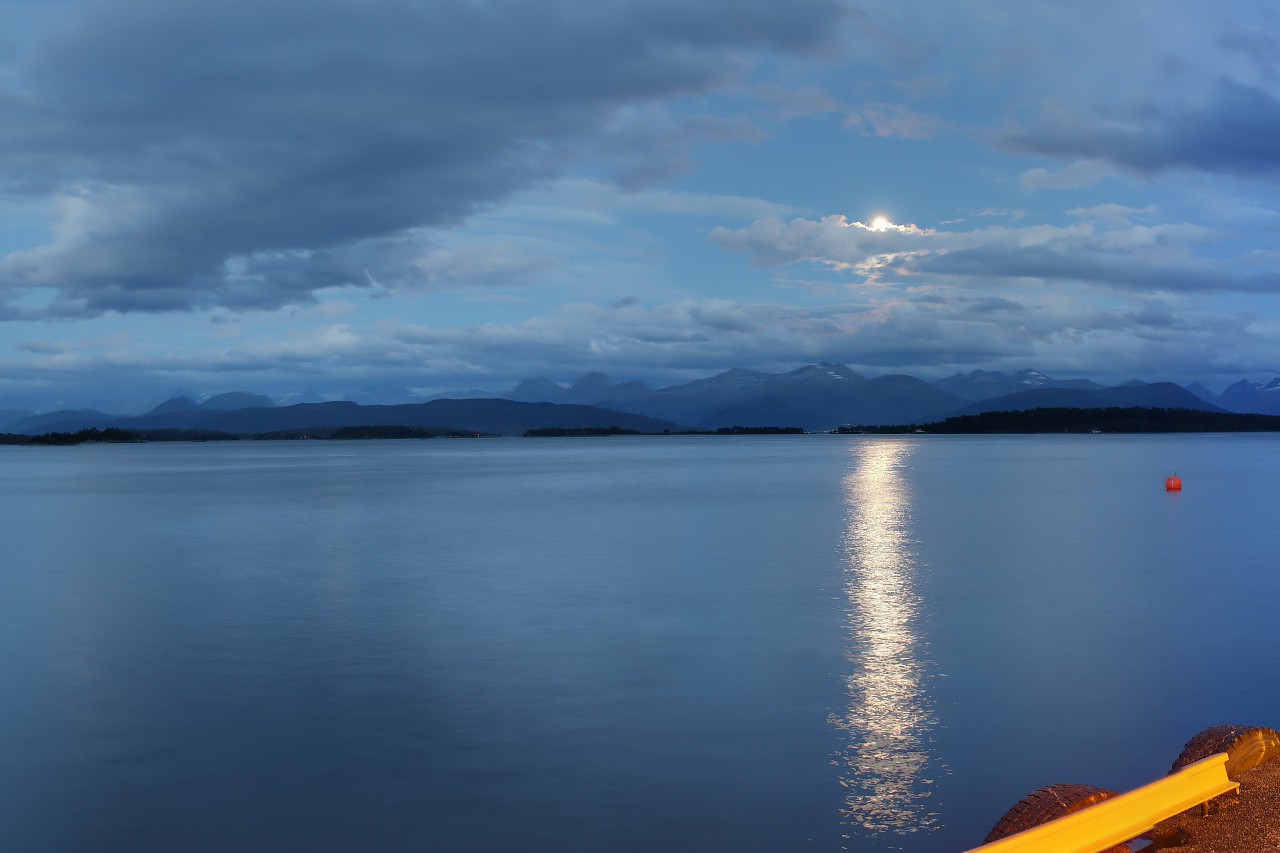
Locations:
column 1233, row 132
column 243, row 154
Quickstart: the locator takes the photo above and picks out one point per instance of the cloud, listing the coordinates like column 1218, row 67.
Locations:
column 595, row 202
column 792, row 103
column 222, row 154
column 1231, row 131
column 893, row 121
column 1114, row 215
column 42, row 347
column 1165, row 257
column 1137, row 89
column 498, row 264
column 989, row 213
column 266, row 163
column 1000, row 213
column 995, row 305
column 1078, row 175
column 647, row 145
column 928, row 333
column 723, row 315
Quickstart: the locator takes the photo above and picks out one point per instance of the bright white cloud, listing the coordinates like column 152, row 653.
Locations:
column 1108, row 251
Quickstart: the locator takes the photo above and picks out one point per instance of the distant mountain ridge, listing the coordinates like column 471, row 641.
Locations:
column 815, row 396
column 1246, row 396
column 499, row 417
column 977, row 385
column 1164, row 395
column 177, row 404
column 229, row 402
column 234, row 400
column 825, row 395
column 8, row 417
column 57, row 421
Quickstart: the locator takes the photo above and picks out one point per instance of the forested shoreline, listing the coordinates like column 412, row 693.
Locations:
column 1032, row 421
column 1135, row 419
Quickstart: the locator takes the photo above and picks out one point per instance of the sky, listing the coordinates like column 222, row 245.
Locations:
column 291, row 196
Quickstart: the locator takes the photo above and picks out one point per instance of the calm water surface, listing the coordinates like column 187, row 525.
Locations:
column 753, row 644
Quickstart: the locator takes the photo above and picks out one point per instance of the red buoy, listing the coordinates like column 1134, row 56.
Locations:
column 1173, row 484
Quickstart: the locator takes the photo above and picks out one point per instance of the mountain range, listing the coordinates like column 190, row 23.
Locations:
column 498, row 417
column 819, row 396
column 816, row 397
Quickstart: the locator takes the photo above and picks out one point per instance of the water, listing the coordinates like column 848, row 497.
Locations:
column 755, row 643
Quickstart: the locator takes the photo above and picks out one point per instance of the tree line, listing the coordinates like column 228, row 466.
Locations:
column 1134, row 419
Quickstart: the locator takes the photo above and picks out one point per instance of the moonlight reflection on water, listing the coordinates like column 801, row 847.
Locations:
column 890, row 713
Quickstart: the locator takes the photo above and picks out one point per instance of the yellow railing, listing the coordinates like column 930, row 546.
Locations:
column 1126, row 816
